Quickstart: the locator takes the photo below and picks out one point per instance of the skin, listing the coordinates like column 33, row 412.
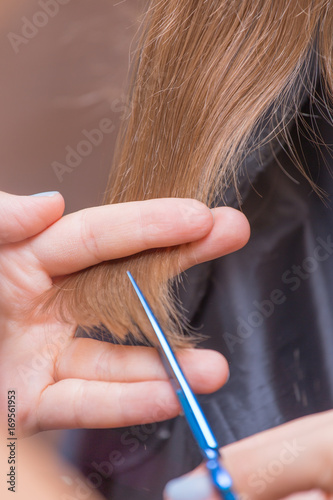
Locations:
column 309, row 467
column 263, row 468
column 61, row 381
column 66, row 382
column 41, row 474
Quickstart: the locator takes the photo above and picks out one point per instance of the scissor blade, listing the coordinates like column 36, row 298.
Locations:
column 192, row 410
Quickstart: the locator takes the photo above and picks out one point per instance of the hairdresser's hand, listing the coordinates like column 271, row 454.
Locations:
column 293, row 458
column 66, row 382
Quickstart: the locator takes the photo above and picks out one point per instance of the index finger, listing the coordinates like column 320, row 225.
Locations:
column 94, row 235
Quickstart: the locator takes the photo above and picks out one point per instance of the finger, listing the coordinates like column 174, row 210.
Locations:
column 274, row 464
column 91, row 359
column 25, row 216
column 291, row 458
column 73, row 403
column 98, row 234
column 310, row 495
column 230, row 232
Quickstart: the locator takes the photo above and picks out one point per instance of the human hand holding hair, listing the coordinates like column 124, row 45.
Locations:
column 62, row 381
column 68, row 382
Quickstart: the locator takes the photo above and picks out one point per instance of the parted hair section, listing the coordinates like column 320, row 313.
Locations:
column 205, row 75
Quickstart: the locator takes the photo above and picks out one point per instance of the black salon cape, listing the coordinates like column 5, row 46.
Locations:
column 268, row 308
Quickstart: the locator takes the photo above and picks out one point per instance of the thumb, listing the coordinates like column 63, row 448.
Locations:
column 24, row 216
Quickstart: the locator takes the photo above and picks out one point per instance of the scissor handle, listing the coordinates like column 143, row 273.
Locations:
column 220, row 477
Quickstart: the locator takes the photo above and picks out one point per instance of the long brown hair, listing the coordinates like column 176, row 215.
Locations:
column 205, row 74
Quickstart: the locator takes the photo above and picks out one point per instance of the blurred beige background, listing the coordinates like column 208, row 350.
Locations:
column 64, row 65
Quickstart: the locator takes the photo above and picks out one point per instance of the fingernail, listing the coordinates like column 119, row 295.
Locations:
column 189, row 488
column 46, row 193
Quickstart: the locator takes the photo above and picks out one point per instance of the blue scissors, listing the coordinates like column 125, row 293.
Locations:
column 192, row 411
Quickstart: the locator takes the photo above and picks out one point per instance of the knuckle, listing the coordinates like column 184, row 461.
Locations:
column 157, row 225
column 103, row 365
column 88, row 236
column 143, row 226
